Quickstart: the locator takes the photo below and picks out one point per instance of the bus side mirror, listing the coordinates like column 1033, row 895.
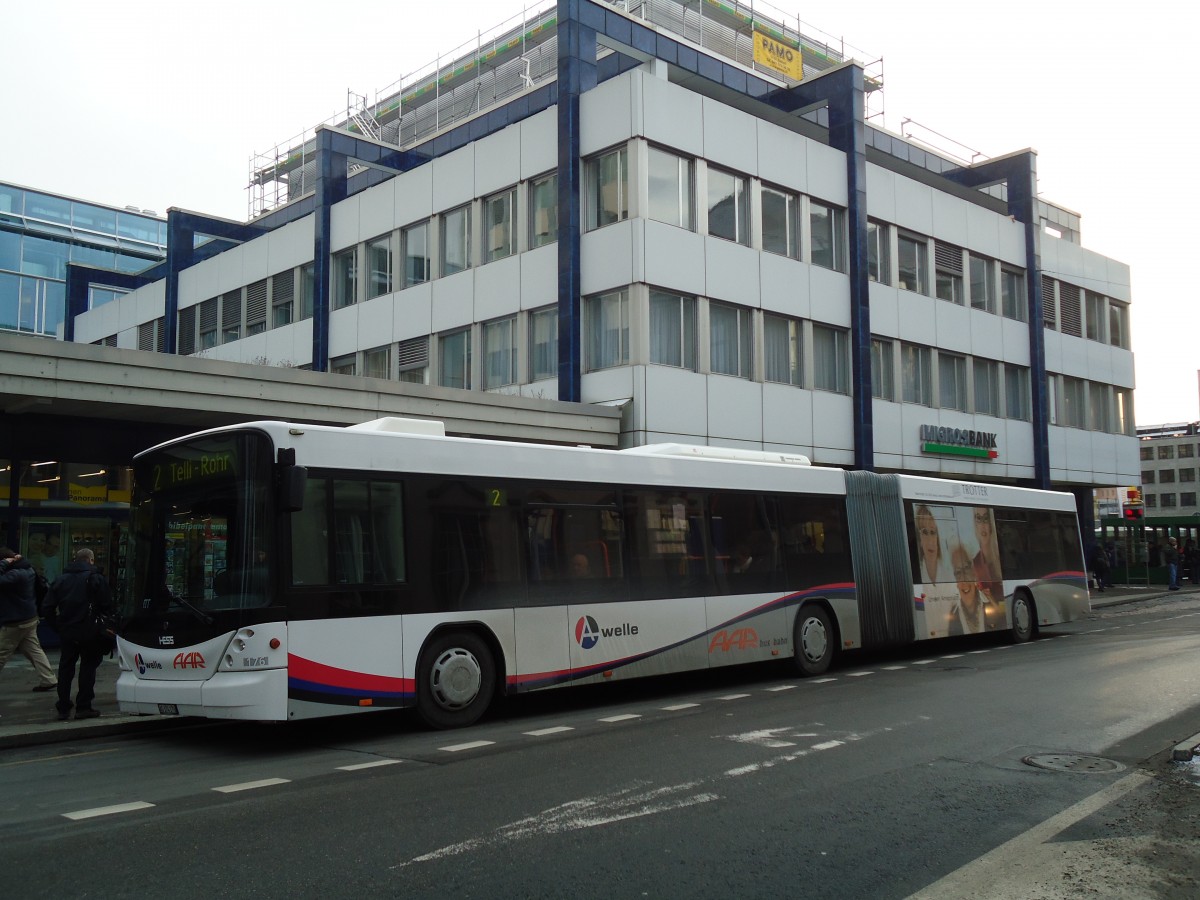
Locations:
column 292, row 482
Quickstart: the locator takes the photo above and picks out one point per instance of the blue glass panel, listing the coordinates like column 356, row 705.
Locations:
column 56, row 305
column 137, row 227
column 93, row 256
column 9, row 293
column 10, row 251
column 12, row 199
column 42, row 257
column 132, row 263
column 28, row 304
column 95, row 218
column 43, row 206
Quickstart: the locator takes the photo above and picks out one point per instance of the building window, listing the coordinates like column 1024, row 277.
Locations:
column 1095, row 314
column 231, row 316
column 1016, row 393
column 831, row 359
column 343, row 365
column 916, row 374
column 1147, row 452
column 879, row 257
column 1187, row 499
column 256, row 307
column 912, row 258
column 543, row 210
column 780, row 222
column 1185, row 451
column 1187, row 474
column 1168, row 501
column 1073, row 407
column 826, row 226
column 607, row 180
column 1012, row 294
column 883, row 372
column 728, row 206
column 608, row 330
column 345, row 278
column 414, row 248
column 1166, row 476
column 952, row 381
column 499, row 353
column 456, row 240
column 543, row 343
column 1166, row 451
column 669, row 188
column 948, row 261
column 1151, row 501
column 982, row 273
column 377, row 363
column 454, row 359
column 283, row 290
column 1123, row 402
column 1147, row 476
column 729, row 340
column 1118, row 325
column 208, row 324
column 672, row 330
column 412, row 357
column 500, row 224
column 379, row 264
column 1098, row 406
column 987, row 386
column 782, row 343
column 308, row 290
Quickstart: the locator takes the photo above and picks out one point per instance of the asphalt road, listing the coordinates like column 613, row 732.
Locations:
column 899, row 774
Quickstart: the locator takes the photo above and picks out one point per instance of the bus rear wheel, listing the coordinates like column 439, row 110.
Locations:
column 813, row 641
column 456, row 680
column 1024, row 622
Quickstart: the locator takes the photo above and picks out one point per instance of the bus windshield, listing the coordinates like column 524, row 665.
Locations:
column 200, row 530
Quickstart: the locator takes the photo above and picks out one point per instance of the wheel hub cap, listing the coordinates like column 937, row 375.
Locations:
column 456, row 678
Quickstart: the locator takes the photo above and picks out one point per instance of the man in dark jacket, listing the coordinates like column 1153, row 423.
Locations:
column 75, row 597
column 19, row 617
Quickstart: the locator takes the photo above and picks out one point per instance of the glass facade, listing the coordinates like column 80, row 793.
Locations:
column 40, row 233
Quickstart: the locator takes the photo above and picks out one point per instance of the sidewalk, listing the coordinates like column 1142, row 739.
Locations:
column 28, row 718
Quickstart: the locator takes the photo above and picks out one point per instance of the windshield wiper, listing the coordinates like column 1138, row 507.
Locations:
column 194, row 610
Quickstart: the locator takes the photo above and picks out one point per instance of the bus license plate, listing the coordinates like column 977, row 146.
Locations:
column 168, row 709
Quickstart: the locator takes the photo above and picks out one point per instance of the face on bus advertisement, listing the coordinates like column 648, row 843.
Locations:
column 958, row 567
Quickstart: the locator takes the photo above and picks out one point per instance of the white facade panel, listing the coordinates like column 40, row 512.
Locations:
column 730, row 272
column 918, row 319
column 730, row 137
column 782, row 157
column 676, row 401
column 950, row 219
column 343, row 331
column 788, row 417
column 539, row 277
column 608, row 257
column 826, row 173
column 606, row 114
column 983, row 230
column 735, row 408
column 784, row 286
column 343, row 224
column 881, row 194
column 377, row 210
column 914, row 206
column 453, row 178
column 289, row 246
column 414, row 195
column 498, row 289
column 539, row 143
column 498, row 161
column 830, row 296
column 375, row 321
column 953, row 328
column 413, row 315
column 888, row 422
column 671, row 115
column 454, row 301
column 230, row 274
column 833, row 431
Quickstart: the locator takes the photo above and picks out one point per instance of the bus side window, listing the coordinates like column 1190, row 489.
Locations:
column 310, row 536
column 669, row 543
column 815, row 542
column 747, row 552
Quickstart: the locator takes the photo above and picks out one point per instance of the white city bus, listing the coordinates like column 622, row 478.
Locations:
column 283, row 571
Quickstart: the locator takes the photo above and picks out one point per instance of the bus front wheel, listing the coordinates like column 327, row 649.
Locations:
column 1024, row 621
column 456, row 680
column 813, row 641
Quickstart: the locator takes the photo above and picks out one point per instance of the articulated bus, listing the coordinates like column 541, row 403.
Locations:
column 284, row 571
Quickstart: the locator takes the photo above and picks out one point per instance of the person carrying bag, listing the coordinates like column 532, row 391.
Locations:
column 80, row 607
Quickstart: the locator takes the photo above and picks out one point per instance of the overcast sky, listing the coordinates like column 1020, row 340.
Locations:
column 161, row 104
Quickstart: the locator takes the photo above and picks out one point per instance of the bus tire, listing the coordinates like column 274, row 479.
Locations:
column 813, row 640
column 456, row 680
column 1024, row 618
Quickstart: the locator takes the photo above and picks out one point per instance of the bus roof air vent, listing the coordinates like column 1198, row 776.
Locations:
column 727, row 453
column 396, row 425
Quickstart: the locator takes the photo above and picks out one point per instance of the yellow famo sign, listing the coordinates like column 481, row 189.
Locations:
column 778, row 56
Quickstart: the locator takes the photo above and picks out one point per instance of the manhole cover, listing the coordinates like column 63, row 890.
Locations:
column 1074, row 762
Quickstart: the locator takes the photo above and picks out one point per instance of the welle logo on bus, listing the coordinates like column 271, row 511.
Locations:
column 588, row 633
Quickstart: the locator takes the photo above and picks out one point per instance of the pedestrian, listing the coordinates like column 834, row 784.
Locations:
column 1171, row 558
column 19, row 617
column 1099, row 567
column 74, row 601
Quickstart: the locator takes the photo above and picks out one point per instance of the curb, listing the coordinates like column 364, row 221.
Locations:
column 1186, row 750
column 62, row 732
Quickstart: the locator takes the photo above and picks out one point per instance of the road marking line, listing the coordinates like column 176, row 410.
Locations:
column 622, row 718
column 679, row 706
column 828, row 745
column 734, row 697
column 951, row 656
column 542, row 732
column 979, row 651
column 473, row 745
column 858, row 674
column 106, row 810
column 823, row 680
column 894, row 668
column 39, row 759
column 1000, row 862
column 783, row 687
column 250, row 785
column 924, row 662
column 369, row 765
